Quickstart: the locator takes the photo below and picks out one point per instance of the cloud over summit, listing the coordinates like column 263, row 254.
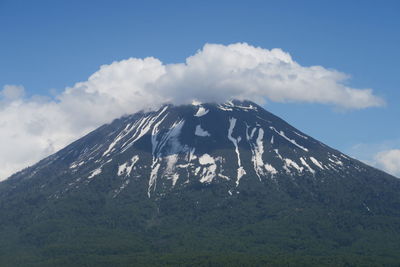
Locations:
column 33, row 128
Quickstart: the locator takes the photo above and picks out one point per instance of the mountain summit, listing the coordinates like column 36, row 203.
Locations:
column 223, row 181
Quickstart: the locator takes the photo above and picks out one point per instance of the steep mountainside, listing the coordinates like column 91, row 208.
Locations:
column 203, row 183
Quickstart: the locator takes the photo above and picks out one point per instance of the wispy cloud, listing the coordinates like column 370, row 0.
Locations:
column 389, row 160
column 32, row 128
column 384, row 155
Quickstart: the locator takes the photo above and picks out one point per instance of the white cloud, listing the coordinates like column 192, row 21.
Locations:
column 246, row 72
column 389, row 160
column 32, row 128
column 384, row 155
column 11, row 92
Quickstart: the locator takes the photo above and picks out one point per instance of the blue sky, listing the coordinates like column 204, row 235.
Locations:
column 46, row 46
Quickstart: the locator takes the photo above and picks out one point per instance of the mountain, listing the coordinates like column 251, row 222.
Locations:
column 202, row 184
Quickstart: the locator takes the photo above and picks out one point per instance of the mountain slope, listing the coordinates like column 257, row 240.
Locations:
column 204, row 183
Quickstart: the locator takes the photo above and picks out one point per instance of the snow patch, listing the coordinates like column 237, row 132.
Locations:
column 127, row 166
column 250, row 107
column 209, row 168
column 122, row 187
column 306, row 165
column 235, row 141
column 153, row 177
column 223, row 176
column 291, row 163
column 368, row 209
column 337, row 162
column 169, row 172
column 344, row 156
column 143, row 129
column 277, row 153
column 270, row 169
column 168, row 144
column 240, row 173
column 281, row 133
column 201, row 112
column 75, row 165
column 94, row 173
column 174, row 178
column 121, row 135
column 221, row 107
column 299, row 134
column 201, row 132
column 316, row 162
column 257, row 150
column 206, row 159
